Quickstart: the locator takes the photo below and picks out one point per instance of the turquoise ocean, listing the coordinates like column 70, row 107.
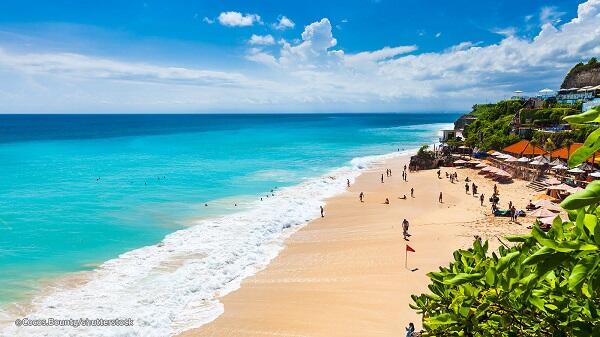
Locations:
column 164, row 212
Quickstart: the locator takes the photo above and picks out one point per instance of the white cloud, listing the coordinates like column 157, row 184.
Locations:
column 237, row 19
column 506, row 32
column 263, row 40
column 79, row 66
column 258, row 56
column 378, row 55
column 550, row 14
column 208, row 20
column 310, row 74
column 283, row 23
column 438, row 34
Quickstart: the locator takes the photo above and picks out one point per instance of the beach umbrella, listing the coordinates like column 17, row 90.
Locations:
column 557, row 162
column 559, row 167
column 561, row 187
column 536, row 163
column 511, row 159
column 595, row 174
column 549, row 220
column 552, row 181
column 523, row 160
column 487, row 169
column 481, row 165
column 542, row 213
column 503, row 156
column 542, row 159
column 586, row 167
column 460, row 162
column 547, row 204
column 575, row 189
column 576, row 170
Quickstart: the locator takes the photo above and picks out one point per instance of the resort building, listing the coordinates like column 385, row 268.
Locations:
column 463, row 121
column 447, row 135
column 576, row 95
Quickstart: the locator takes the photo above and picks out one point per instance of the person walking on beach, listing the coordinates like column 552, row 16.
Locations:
column 322, row 212
column 439, row 172
column 474, row 188
column 440, row 199
column 382, row 178
column 412, row 192
column 410, row 329
column 481, row 199
column 361, row 196
column 467, row 188
column 405, row 225
column 495, row 189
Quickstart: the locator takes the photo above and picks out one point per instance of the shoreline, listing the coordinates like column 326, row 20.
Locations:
column 344, row 275
column 72, row 281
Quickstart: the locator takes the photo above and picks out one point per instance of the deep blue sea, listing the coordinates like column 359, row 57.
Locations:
column 79, row 190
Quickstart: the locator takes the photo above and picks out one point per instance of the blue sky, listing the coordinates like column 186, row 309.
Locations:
column 205, row 56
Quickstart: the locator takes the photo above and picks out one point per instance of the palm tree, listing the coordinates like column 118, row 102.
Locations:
column 567, row 143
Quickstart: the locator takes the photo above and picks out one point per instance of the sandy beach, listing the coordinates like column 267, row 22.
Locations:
column 345, row 275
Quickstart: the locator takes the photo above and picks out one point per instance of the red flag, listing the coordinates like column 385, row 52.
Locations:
column 409, row 249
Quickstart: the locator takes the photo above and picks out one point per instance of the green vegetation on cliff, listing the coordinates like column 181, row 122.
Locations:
column 495, row 125
column 492, row 128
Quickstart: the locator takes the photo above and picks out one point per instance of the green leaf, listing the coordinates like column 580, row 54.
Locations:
column 590, row 222
column 584, row 117
column 590, row 195
column 490, row 276
column 461, row 278
column 442, row 319
column 518, row 238
column 538, row 256
column 537, row 302
column 591, row 145
column 580, row 271
column 505, row 261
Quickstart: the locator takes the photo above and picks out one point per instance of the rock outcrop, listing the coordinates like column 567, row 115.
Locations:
column 582, row 75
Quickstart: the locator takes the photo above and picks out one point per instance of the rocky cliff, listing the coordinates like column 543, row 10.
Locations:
column 583, row 75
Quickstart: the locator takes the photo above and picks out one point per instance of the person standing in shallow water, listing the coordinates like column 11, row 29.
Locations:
column 440, row 199
column 361, row 196
column 322, row 212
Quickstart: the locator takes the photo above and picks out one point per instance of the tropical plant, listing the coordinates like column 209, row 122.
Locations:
column 545, row 284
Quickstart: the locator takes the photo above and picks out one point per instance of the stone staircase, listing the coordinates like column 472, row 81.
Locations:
column 537, row 186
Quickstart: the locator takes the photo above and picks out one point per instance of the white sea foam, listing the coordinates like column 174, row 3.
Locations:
column 176, row 285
